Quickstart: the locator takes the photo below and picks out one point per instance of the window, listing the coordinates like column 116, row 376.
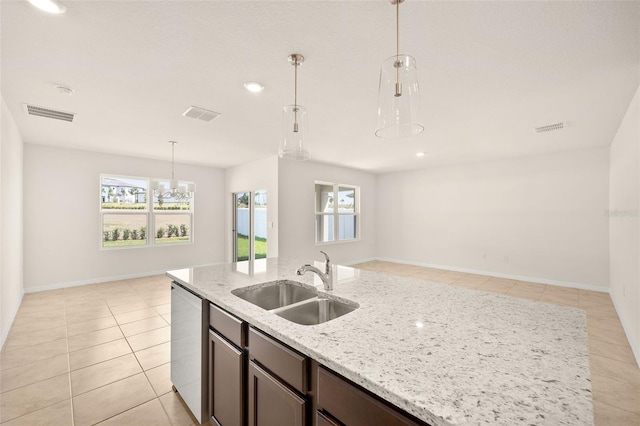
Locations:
column 337, row 210
column 129, row 209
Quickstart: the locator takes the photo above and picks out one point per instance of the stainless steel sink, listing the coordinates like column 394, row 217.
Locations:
column 276, row 294
column 316, row 311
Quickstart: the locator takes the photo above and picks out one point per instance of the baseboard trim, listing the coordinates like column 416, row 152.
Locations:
column 501, row 275
column 5, row 333
column 355, row 262
column 104, row 279
column 634, row 344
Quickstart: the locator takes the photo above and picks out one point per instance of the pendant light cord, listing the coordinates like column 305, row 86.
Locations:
column 295, row 96
column 397, row 64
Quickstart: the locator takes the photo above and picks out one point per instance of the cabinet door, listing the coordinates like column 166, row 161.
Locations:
column 271, row 403
column 226, row 377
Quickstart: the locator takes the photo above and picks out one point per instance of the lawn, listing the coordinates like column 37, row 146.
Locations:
column 243, row 248
column 121, row 243
column 171, row 240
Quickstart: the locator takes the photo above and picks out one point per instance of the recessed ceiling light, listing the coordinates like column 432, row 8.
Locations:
column 254, row 86
column 419, row 154
column 49, row 6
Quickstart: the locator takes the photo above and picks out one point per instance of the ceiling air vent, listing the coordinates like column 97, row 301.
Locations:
column 201, row 114
column 48, row 113
column 551, row 127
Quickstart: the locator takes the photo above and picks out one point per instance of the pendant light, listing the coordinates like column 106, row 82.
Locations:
column 175, row 191
column 398, row 93
column 295, row 125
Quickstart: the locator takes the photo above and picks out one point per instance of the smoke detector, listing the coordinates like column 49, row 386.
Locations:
column 48, row 113
column 201, row 114
column 551, row 127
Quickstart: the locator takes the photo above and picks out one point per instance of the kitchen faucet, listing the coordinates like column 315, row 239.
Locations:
column 326, row 277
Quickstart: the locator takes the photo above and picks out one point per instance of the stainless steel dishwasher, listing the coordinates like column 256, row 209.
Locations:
column 189, row 351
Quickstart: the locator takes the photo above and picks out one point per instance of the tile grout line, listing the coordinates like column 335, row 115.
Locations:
column 66, row 332
column 616, row 407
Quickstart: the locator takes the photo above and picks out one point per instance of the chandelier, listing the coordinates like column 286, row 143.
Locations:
column 179, row 191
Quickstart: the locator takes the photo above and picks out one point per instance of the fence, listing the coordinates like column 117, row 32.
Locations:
column 260, row 222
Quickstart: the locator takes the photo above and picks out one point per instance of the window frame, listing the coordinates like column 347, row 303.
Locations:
column 148, row 211
column 336, row 213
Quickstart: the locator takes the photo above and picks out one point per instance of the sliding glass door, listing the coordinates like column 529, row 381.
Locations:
column 249, row 225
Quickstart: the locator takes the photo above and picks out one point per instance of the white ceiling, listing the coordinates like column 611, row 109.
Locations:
column 489, row 72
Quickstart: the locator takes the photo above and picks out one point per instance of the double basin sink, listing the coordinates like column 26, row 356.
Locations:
column 295, row 302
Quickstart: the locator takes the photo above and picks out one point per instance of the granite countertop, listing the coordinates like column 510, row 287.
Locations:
column 449, row 356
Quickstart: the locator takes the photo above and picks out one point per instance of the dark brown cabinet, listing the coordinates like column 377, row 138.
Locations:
column 226, row 381
column 227, row 368
column 256, row 380
column 323, row 420
column 339, row 399
column 271, row 403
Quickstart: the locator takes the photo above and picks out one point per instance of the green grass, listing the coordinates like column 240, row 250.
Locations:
column 171, row 240
column 243, row 248
column 124, row 206
column 121, row 243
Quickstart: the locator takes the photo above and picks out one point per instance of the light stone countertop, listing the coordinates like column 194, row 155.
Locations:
column 449, row 356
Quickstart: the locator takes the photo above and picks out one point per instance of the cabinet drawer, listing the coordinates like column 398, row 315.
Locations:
column 284, row 362
column 322, row 420
column 354, row 407
column 226, row 324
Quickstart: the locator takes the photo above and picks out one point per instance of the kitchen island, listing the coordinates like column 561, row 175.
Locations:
column 446, row 355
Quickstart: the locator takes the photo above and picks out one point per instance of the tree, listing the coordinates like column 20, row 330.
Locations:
column 134, row 191
column 243, row 200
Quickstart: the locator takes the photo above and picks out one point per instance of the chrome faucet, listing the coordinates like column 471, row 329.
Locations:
column 326, row 277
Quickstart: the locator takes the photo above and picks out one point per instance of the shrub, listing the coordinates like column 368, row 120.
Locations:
column 143, row 233
column 126, row 233
column 134, row 234
column 115, row 235
column 106, row 235
column 169, row 231
column 160, row 232
column 183, row 230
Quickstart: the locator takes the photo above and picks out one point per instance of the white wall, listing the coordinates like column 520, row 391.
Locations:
column 545, row 213
column 62, row 223
column 296, row 181
column 11, row 257
column 253, row 176
column 624, row 231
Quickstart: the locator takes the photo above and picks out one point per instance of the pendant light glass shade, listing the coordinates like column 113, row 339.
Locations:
column 398, row 92
column 398, row 98
column 292, row 146
column 295, row 123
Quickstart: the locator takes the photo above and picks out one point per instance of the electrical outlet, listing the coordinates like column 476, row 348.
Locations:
column 484, row 256
column 506, row 258
column 624, row 290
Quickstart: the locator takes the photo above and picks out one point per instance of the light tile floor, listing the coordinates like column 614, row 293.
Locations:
column 95, row 354
column 99, row 354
